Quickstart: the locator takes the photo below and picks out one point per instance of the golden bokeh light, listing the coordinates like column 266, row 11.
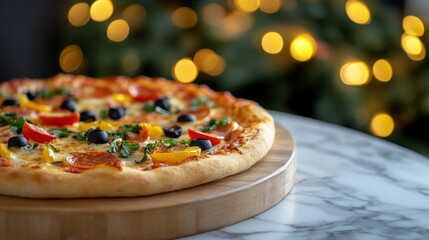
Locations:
column 101, row 10
column 382, row 70
column 130, row 62
column 382, row 125
column 355, row 73
column 303, row 47
column 118, row 30
column 358, row 11
column 411, row 44
column 184, row 17
column 185, row 70
column 78, row 14
column 209, row 62
column 413, row 26
column 135, row 15
column 234, row 25
column 418, row 57
column 272, row 42
column 270, row 6
column 247, row 5
column 71, row 59
column 214, row 14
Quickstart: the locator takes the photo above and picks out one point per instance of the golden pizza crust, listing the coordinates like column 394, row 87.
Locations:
column 44, row 182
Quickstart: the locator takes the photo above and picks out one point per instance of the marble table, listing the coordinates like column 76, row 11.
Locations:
column 349, row 186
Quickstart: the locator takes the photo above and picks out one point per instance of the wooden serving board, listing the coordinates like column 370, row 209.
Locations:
column 169, row 215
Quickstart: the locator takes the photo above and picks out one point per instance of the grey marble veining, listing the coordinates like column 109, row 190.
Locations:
column 349, row 186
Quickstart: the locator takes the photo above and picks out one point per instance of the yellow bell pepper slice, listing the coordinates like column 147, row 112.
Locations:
column 121, row 98
column 103, row 125
column 176, row 157
column 48, row 155
column 23, row 101
column 154, row 130
column 4, row 152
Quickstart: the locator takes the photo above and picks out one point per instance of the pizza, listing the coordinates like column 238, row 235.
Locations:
column 75, row 136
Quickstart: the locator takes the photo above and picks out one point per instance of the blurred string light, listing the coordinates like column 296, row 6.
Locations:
column 185, row 70
column 213, row 14
column 412, row 25
column 118, row 30
column 78, row 14
column 71, row 59
column 272, row 42
column 382, row 125
column 130, row 62
column 247, row 5
column 101, row 10
column 303, row 47
column 184, row 17
column 413, row 46
column 358, row 11
column 354, row 73
column 209, row 62
column 270, row 6
column 135, row 15
column 382, row 70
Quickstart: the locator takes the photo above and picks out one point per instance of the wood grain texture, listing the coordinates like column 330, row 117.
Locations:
column 169, row 215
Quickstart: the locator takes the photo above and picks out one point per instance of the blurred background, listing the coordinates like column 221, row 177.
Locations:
column 356, row 63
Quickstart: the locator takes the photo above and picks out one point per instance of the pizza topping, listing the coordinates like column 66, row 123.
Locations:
column 5, row 153
column 48, row 154
column 125, row 131
column 17, row 141
column 193, row 134
column 198, row 102
column 173, row 132
column 116, row 113
column 202, row 143
column 32, row 105
column 163, row 103
column 143, row 94
column 87, row 160
column 10, row 102
column 213, row 124
column 31, row 95
column 69, row 104
column 5, row 162
column 59, row 132
column 103, row 125
column 58, row 119
column 154, row 130
column 176, row 157
column 151, row 106
column 121, row 98
column 87, row 116
column 32, row 132
column 51, row 93
column 187, row 118
column 98, row 136
column 123, row 148
column 146, row 151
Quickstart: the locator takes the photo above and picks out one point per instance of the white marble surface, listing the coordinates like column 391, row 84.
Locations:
column 349, row 186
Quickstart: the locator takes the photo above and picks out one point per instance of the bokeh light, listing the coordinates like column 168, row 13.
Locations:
column 411, row 44
column 382, row 125
column 118, row 30
column 78, row 14
column 135, row 15
column 184, row 17
column 272, row 42
column 413, row 26
column 209, row 62
column 185, row 70
column 270, row 6
column 130, row 62
column 358, row 11
column 71, row 59
column 234, row 25
column 247, row 5
column 214, row 14
column 382, row 70
column 101, row 10
column 303, row 47
column 355, row 73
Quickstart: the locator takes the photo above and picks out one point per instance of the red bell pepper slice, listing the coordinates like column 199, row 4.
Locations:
column 58, row 119
column 193, row 134
column 36, row 134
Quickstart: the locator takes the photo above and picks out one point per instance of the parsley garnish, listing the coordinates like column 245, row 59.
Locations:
column 50, row 93
column 124, row 129
column 103, row 114
column 200, row 100
column 124, row 150
column 60, row 132
column 16, row 126
column 150, row 107
column 146, row 151
column 31, row 148
column 83, row 136
column 213, row 124
column 51, row 146
column 168, row 143
column 16, row 123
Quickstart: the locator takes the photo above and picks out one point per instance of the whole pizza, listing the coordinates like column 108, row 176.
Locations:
column 76, row 136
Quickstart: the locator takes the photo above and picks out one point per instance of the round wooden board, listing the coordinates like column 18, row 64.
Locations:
column 169, row 215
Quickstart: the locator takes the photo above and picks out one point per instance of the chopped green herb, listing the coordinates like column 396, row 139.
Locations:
column 200, row 100
column 50, row 93
column 51, row 146
column 31, row 148
column 114, row 145
column 103, row 114
column 7, row 119
column 59, row 132
column 124, row 129
column 213, row 124
column 124, row 150
column 35, row 146
column 83, row 136
column 168, row 143
column 146, row 151
column 149, row 106
column 16, row 126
